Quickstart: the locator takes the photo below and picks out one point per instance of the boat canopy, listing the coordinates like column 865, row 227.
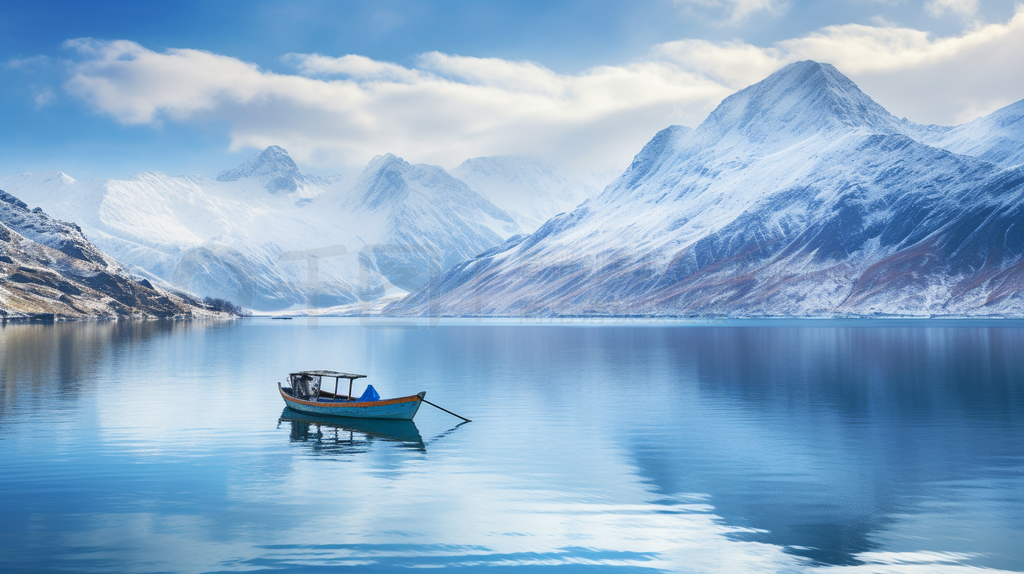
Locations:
column 307, row 384
column 333, row 374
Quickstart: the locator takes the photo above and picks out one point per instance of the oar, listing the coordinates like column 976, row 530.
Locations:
column 446, row 410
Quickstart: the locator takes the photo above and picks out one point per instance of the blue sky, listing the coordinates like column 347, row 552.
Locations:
column 195, row 87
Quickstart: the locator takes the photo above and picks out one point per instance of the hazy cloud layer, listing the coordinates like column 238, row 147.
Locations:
column 446, row 108
column 737, row 11
column 964, row 8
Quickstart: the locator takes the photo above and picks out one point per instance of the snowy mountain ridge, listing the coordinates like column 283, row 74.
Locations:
column 802, row 99
column 269, row 237
column 415, row 220
column 995, row 137
column 276, row 170
column 797, row 196
column 530, row 190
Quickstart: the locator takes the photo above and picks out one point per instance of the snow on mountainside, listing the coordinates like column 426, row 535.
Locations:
column 530, row 190
column 48, row 267
column 802, row 100
column 220, row 239
column 256, row 239
column 276, row 170
column 996, row 137
column 416, row 220
column 798, row 196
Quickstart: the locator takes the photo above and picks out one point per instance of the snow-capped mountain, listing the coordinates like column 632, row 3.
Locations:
column 276, row 170
column 219, row 239
column 416, row 220
column 47, row 266
column 268, row 237
column 797, row 196
column 530, row 190
column 996, row 137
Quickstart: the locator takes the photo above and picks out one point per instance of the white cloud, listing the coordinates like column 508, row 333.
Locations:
column 31, row 63
column 350, row 108
column 43, row 96
column 134, row 84
column 344, row 110
column 943, row 80
column 963, row 8
column 352, row 65
column 737, row 11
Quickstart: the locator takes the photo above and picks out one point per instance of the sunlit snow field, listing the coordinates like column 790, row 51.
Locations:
column 893, row 446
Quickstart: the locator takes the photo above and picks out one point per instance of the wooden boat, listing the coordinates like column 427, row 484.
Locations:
column 306, row 395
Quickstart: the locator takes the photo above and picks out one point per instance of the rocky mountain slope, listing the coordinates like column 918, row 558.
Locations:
column 48, row 267
column 798, row 196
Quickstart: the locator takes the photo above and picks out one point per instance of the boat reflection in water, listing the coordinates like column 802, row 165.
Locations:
column 342, row 435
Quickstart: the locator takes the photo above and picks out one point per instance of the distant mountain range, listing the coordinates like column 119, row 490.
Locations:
column 268, row 237
column 798, row 196
column 47, row 267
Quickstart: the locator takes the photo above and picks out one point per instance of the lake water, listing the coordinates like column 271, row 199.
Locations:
column 760, row 447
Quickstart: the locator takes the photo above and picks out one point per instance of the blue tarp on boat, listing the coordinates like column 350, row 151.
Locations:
column 370, row 394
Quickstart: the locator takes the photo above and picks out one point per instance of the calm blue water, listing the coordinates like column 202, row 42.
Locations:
column 801, row 446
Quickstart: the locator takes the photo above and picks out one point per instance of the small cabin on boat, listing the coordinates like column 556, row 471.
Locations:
column 308, row 385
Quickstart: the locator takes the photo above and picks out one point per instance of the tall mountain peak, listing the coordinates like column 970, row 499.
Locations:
column 382, row 181
column 272, row 167
column 800, row 99
column 384, row 162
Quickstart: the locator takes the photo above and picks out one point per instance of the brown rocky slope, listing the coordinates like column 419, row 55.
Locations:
column 48, row 267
